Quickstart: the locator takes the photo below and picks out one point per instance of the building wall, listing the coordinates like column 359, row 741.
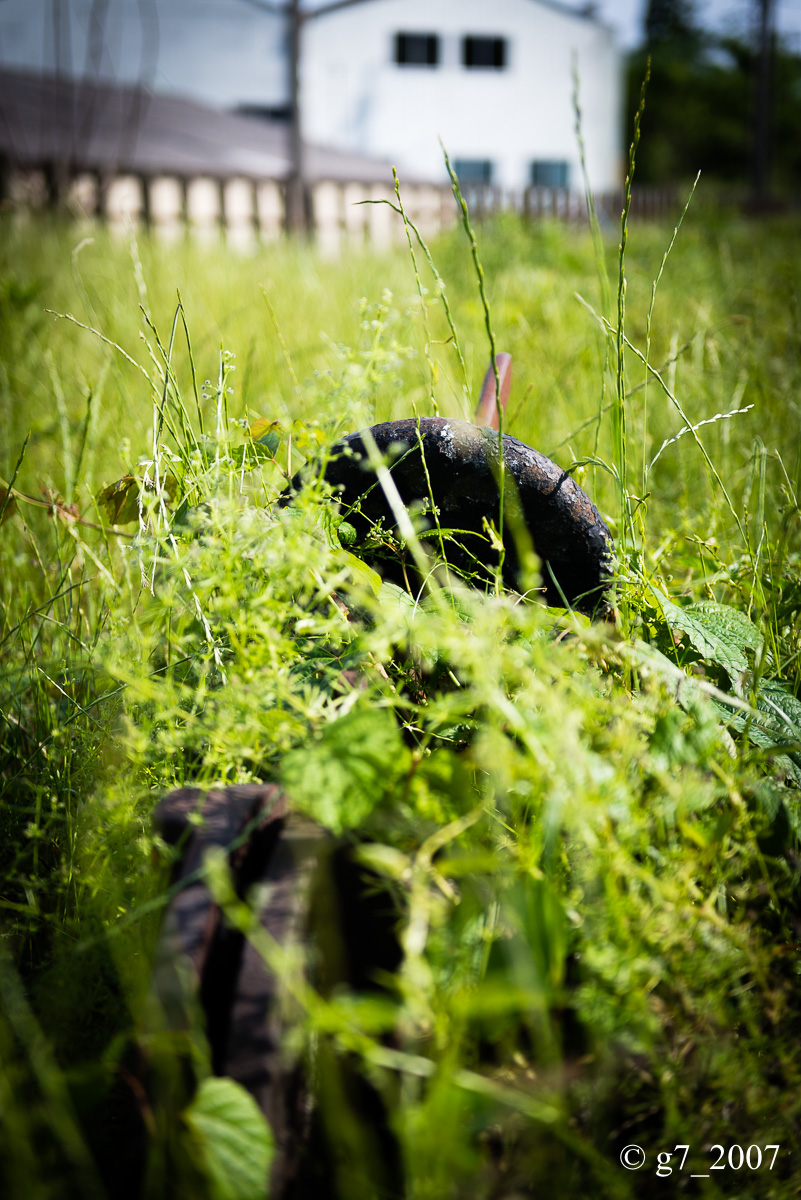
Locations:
column 356, row 97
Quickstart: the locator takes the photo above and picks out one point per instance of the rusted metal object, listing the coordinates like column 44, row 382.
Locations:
column 307, row 889
column 487, row 408
column 450, row 470
column 236, row 991
column 460, row 477
column 303, row 885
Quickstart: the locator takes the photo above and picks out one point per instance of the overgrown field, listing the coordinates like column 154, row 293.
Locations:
column 589, row 831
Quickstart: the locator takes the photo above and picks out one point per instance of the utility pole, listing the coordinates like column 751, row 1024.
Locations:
column 296, row 213
column 760, row 177
column 296, row 183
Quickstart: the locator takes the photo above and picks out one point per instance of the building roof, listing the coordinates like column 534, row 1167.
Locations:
column 334, row 6
column 108, row 128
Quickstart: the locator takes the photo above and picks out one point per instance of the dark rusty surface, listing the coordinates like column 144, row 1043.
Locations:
column 566, row 529
column 309, row 888
column 241, row 999
column 306, row 889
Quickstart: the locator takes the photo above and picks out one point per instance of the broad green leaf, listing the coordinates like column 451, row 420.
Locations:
column 384, row 860
column 391, row 594
column 121, row 500
column 728, row 623
column 319, row 530
column 329, row 520
column 346, row 533
column 170, row 486
column 341, row 777
column 765, row 739
column 251, row 454
column 459, row 601
column 719, row 633
column 266, row 433
column 362, row 573
column 307, row 437
column 442, row 787
column 233, row 1138
column 260, row 426
column 776, row 726
column 782, row 707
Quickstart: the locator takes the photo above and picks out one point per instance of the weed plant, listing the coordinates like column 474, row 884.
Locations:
column 591, row 830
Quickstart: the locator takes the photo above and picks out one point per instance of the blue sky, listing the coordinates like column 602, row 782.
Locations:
column 625, row 16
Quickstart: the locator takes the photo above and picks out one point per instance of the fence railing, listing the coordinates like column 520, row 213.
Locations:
column 247, row 211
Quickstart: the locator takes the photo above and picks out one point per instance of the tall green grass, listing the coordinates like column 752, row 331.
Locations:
column 591, row 830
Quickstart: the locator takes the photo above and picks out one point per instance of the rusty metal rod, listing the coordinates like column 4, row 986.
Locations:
column 487, row 410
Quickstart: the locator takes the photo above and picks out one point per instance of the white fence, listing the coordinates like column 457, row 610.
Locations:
column 247, row 211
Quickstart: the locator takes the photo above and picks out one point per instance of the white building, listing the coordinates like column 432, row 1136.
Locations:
column 382, row 78
column 493, row 80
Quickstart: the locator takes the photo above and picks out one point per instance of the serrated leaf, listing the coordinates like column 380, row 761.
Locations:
column 768, row 730
column 719, row 633
column 341, row 777
column 724, row 621
column 784, row 709
column 233, row 1138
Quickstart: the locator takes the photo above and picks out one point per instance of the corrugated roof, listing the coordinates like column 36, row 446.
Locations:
column 102, row 127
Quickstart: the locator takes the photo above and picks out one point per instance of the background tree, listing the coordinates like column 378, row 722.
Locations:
column 296, row 14
column 669, row 21
column 703, row 108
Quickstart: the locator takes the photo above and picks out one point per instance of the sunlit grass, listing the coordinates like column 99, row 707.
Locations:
column 599, row 942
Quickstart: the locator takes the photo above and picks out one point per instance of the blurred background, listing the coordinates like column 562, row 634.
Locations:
column 258, row 115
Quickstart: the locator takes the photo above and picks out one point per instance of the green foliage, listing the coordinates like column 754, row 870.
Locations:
column 356, row 762
column 232, row 1138
column 590, row 832
column 701, row 103
column 669, row 21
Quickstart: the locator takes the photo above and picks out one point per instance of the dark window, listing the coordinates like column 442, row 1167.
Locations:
column 265, row 112
column 484, row 53
column 550, row 173
column 416, row 49
column 470, row 171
